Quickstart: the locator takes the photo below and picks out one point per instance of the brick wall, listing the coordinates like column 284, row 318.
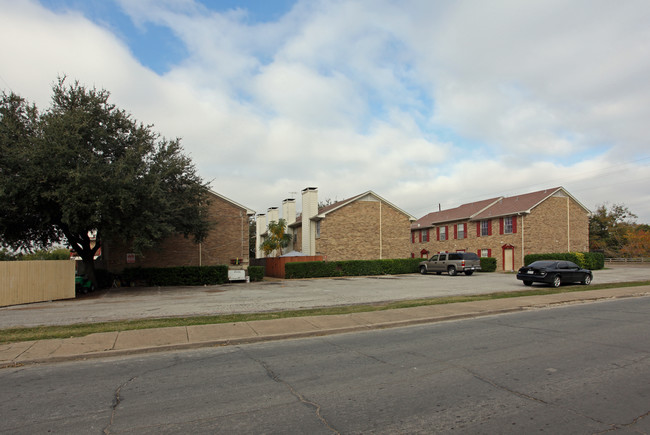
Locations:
column 558, row 224
column 228, row 239
column 364, row 230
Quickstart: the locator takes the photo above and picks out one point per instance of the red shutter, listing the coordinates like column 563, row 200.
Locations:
column 500, row 225
column 438, row 233
column 455, row 231
column 420, row 235
column 427, row 235
column 489, row 227
column 479, row 253
column 489, row 252
column 514, row 224
column 412, row 236
column 478, row 228
column 447, row 233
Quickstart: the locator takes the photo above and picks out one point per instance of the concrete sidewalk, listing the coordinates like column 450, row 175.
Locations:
column 189, row 337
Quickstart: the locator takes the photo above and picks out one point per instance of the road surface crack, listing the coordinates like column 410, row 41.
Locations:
column 116, row 402
column 276, row 378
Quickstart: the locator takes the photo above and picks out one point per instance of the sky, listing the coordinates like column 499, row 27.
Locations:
column 429, row 103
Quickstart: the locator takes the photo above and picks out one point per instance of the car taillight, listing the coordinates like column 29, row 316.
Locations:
column 462, row 263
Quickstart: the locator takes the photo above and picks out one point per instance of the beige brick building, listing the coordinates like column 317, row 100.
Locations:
column 363, row 227
column 226, row 243
column 506, row 228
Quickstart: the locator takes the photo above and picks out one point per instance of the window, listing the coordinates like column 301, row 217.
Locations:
column 485, row 228
column 484, row 253
column 317, row 228
column 460, row 230
column 425, row 235
column 507, row 225
column 443, row 233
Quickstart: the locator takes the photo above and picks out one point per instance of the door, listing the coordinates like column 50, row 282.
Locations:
column 508, row 259
column 441, row 264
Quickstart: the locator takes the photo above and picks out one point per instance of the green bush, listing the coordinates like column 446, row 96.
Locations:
column 488, row 264
column 319, row 269
column 186, row 275
column 586, row 260
column 256, row 273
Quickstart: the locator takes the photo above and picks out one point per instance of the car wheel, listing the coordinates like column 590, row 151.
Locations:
column 557, row 281
column 587, row 279
column 423, row 270
column 469, row 272
column 528, row 283
column 451, row 270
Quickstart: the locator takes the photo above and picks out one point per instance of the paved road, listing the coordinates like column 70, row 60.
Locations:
column 572, row 369
column 135, row 303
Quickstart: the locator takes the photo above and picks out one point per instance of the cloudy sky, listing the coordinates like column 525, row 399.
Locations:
column 425, row 102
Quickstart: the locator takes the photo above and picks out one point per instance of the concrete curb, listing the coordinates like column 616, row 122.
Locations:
column 282, row 329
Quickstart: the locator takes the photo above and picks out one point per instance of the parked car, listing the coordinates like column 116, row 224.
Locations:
column 452, row 263
column 554, row 272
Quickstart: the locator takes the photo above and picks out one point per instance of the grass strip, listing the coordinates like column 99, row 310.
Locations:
column 13, row 335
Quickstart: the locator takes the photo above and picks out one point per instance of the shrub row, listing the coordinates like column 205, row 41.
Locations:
column 319, row 269
column 586, row 260
column 488, row 264
column 256, row 273
column 188, row 275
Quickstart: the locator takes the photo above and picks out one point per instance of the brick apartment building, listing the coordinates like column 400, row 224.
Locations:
column 364, row 227
column 226, row 243
column 506, row 228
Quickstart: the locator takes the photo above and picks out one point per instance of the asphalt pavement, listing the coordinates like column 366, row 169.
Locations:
column 273, row 295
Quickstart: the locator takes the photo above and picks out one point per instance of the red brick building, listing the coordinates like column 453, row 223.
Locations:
column 227, row 243
column 506, row 228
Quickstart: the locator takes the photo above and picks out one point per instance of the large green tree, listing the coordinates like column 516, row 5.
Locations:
column 608, row 229
column 85, row 169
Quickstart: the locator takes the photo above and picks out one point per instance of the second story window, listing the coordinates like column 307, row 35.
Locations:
column 443, row 233
column 485, row 228
column 460, row 228
column 425, row 235
column 507, row 225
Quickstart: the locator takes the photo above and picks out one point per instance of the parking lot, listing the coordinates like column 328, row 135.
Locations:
column 271, row 295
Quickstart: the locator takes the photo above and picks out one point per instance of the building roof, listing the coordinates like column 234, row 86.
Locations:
column 324, row 211
column 494, row 207
column 463, row 212
column 523, row 204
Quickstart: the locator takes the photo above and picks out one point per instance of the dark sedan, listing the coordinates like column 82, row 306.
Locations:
column 554, row 272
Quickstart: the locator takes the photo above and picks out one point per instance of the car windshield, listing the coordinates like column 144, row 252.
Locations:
column 542, row 264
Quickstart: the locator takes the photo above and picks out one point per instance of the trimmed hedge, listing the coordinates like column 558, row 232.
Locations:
column 256, row 273
column 167, row 276
column 320, row 269
column 586, row 260
column 488, row 264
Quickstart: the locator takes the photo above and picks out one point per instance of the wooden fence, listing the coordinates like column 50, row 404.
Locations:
column 23, row 282
column 274, row 267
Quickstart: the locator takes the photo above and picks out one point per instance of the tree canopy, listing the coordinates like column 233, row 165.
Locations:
column 613, row 231
column 84, row 167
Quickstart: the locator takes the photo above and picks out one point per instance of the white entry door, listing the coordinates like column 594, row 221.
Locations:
column 508, row 259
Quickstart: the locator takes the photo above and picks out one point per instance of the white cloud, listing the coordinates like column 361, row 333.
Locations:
column 423, row 102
